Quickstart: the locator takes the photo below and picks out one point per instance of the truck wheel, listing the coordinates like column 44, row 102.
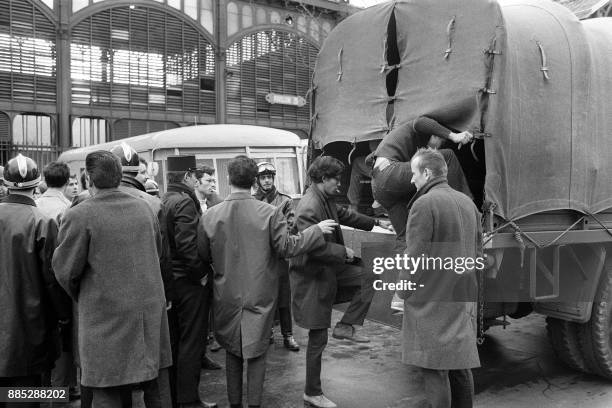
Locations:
column 596, row 335
column 563, row 337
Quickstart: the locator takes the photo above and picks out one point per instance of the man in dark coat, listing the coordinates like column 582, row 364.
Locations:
column 108, row 261
column 191, row 286
column 266, row 191
column 31, row 301
column 328, row 275
column 245, row 239
column 439, row 323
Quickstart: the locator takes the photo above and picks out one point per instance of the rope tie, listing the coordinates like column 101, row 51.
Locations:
column 339, row 65
column 450, row 28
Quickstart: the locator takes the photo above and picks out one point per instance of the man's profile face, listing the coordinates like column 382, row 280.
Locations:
column 190, row 180
column 72, row 188
column 207, row 185
column 266, row 181
column 142, row 169
column 419, row 179
column 331, row 185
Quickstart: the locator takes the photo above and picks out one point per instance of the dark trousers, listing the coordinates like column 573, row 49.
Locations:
column 112, row 397
column 317, row 340
column 26, row 381
column 284, row 302
column 286, row 325
column 256, row 372
column 191, row 309
column 392, row 188
column 156, row 394
column 449, row 388
column 354, row 285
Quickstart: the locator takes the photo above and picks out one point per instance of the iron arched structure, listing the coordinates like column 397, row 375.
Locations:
column 267, row 61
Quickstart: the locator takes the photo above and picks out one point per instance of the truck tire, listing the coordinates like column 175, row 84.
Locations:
column 563, row 337
column 595, row 335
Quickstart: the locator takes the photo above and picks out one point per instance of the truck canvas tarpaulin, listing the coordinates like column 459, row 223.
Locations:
column 530, row 78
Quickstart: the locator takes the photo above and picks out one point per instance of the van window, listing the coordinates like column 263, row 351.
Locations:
column 287, row 178
column 222, row 177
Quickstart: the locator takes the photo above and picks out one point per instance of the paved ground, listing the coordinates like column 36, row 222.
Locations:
column 519, row 371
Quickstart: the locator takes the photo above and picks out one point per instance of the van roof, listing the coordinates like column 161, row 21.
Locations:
column 205, row 136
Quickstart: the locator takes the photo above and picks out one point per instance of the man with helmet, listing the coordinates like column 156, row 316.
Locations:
column 31, row 301
column 266, row 191
column 191, row 285
column 130, row 184
column 123, row 336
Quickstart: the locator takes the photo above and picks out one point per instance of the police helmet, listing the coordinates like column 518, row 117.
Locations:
column 128, row 156
column 264, row 168
column 151, row 187
column 21, row 173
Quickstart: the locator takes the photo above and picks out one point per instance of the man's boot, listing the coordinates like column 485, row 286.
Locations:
column 290, row 343
column 347, row 332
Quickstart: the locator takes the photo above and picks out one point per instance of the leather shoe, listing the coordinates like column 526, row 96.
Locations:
column 290, row 343
column 319, row 401
column 214, row 346
column 347, row 331
column 209, row 364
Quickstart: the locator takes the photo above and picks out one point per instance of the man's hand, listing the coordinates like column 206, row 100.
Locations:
column 327, row 226
column 350, row 255
column 386, row 224
column 462, row 138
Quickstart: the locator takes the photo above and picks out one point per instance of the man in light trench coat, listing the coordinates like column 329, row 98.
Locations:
column 439, row 323
column 108, row 260
column 246, row 239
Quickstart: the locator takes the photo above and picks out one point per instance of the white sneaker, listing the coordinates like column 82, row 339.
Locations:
column 319, row 401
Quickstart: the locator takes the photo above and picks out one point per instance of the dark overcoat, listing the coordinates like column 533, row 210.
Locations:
column 245, row 239
column 439, row 323
column 285, row 204
column 313, row 275
column 31, row 301
column 133, row 187
column 108, row 260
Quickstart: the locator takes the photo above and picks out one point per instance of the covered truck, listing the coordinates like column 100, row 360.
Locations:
column 533, row 83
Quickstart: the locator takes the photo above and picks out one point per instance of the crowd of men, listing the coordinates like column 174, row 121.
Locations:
column 126, row 285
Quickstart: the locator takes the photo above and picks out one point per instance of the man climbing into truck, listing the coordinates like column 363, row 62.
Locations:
column 391, row 172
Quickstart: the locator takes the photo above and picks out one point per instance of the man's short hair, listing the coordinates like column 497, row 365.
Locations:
column 143, row 161
column 56, row 174
column 242, row 172
column 433, row 160
column 325, row 166
column 176, row 176
column 202, row 170
column 103, row 168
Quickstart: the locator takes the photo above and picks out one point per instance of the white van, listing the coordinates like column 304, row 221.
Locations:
column 215, row 146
